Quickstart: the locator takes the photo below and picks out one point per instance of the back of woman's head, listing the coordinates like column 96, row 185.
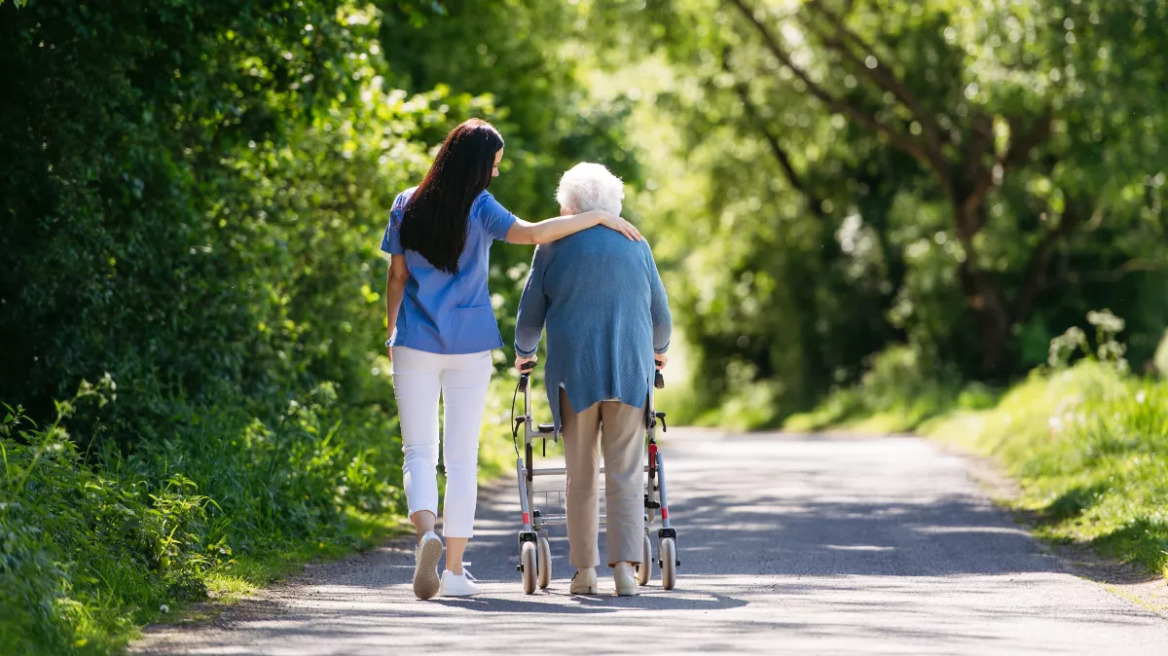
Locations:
column 435, row 222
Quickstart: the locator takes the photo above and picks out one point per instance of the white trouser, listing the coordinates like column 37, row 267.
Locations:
column 418, row 379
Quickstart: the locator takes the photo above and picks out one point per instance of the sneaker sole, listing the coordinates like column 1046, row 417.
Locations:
column 460, row 593
column 426, row 581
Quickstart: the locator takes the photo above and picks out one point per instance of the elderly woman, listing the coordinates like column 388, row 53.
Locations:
column 607, row 321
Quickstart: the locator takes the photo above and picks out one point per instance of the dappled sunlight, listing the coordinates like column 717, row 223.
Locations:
column 822, row 545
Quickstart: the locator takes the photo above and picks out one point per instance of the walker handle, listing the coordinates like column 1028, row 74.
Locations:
column 525, row 370
column 658, row 379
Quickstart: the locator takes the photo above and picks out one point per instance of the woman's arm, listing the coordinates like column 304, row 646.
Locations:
column 544, row 232
column 395, row 289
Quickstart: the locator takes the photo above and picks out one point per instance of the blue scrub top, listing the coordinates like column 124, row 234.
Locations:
column 444, row 313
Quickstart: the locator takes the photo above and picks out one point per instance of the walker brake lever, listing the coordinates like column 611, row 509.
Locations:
column 664, row 426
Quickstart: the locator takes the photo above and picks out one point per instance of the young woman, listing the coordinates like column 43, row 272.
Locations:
column 443, row 330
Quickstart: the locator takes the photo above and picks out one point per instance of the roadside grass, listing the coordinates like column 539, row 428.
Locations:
column 1087, row 444
column 247, row 574
column 1089, row 448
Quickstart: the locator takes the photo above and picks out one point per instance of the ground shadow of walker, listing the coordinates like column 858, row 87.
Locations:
column 649, row 599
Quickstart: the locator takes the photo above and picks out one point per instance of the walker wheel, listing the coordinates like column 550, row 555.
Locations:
column 544, row 562
column 527, row 565
column 668, row 563
column 645, row 569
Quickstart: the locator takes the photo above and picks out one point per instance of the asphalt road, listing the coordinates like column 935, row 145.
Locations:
column 811, row 545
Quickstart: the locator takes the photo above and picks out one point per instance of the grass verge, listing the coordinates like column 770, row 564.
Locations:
column 246, row 575
column 1088, row 446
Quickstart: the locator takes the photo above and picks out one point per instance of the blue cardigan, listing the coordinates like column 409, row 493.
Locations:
column 606, row 313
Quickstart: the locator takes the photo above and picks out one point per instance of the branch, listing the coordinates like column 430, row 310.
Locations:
column 1021, row 144
column 896, row 137
column 1036, row 280
column 1131, row 266
column 981, row 141
column 1020, row 147
column 793, row 178
column 880, row 74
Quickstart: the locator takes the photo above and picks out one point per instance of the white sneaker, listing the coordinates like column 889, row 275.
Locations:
column 626, row 580
column 426, row 556
column 458, row 585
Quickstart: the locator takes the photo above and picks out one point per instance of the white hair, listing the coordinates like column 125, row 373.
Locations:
column 589, row 186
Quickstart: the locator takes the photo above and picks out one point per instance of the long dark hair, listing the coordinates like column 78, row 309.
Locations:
column 435, row 219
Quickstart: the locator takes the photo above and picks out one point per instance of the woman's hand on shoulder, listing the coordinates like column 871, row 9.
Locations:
column 614, row 222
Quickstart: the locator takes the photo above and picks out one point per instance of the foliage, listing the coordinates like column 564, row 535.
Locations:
column 903, row 392
column 92, row 553
column 192, row 198
column 898, row 393
column 1090, row 449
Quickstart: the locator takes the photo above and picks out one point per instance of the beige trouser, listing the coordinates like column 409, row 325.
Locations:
column 620, row 430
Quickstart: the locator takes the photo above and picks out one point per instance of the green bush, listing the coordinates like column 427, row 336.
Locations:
column 901, row 390
column 92, row 553
column 192, row 198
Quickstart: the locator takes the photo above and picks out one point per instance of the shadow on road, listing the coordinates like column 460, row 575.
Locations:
column 836, row 545
column 583, row 605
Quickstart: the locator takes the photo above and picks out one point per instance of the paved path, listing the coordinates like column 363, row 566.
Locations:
column 816, row 545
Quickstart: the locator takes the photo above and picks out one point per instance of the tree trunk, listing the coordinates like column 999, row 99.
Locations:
column 982, row 293
column 994, row 331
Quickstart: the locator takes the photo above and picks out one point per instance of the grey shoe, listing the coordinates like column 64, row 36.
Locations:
column 584, row 581
column 626, row 580
column 426, row 555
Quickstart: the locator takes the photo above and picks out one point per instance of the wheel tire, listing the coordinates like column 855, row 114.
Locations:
column 544, row 564
column 668, row 563
column 645, row 569
column 527, row 565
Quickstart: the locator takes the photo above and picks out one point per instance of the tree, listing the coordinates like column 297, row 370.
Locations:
column 1016, row 101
